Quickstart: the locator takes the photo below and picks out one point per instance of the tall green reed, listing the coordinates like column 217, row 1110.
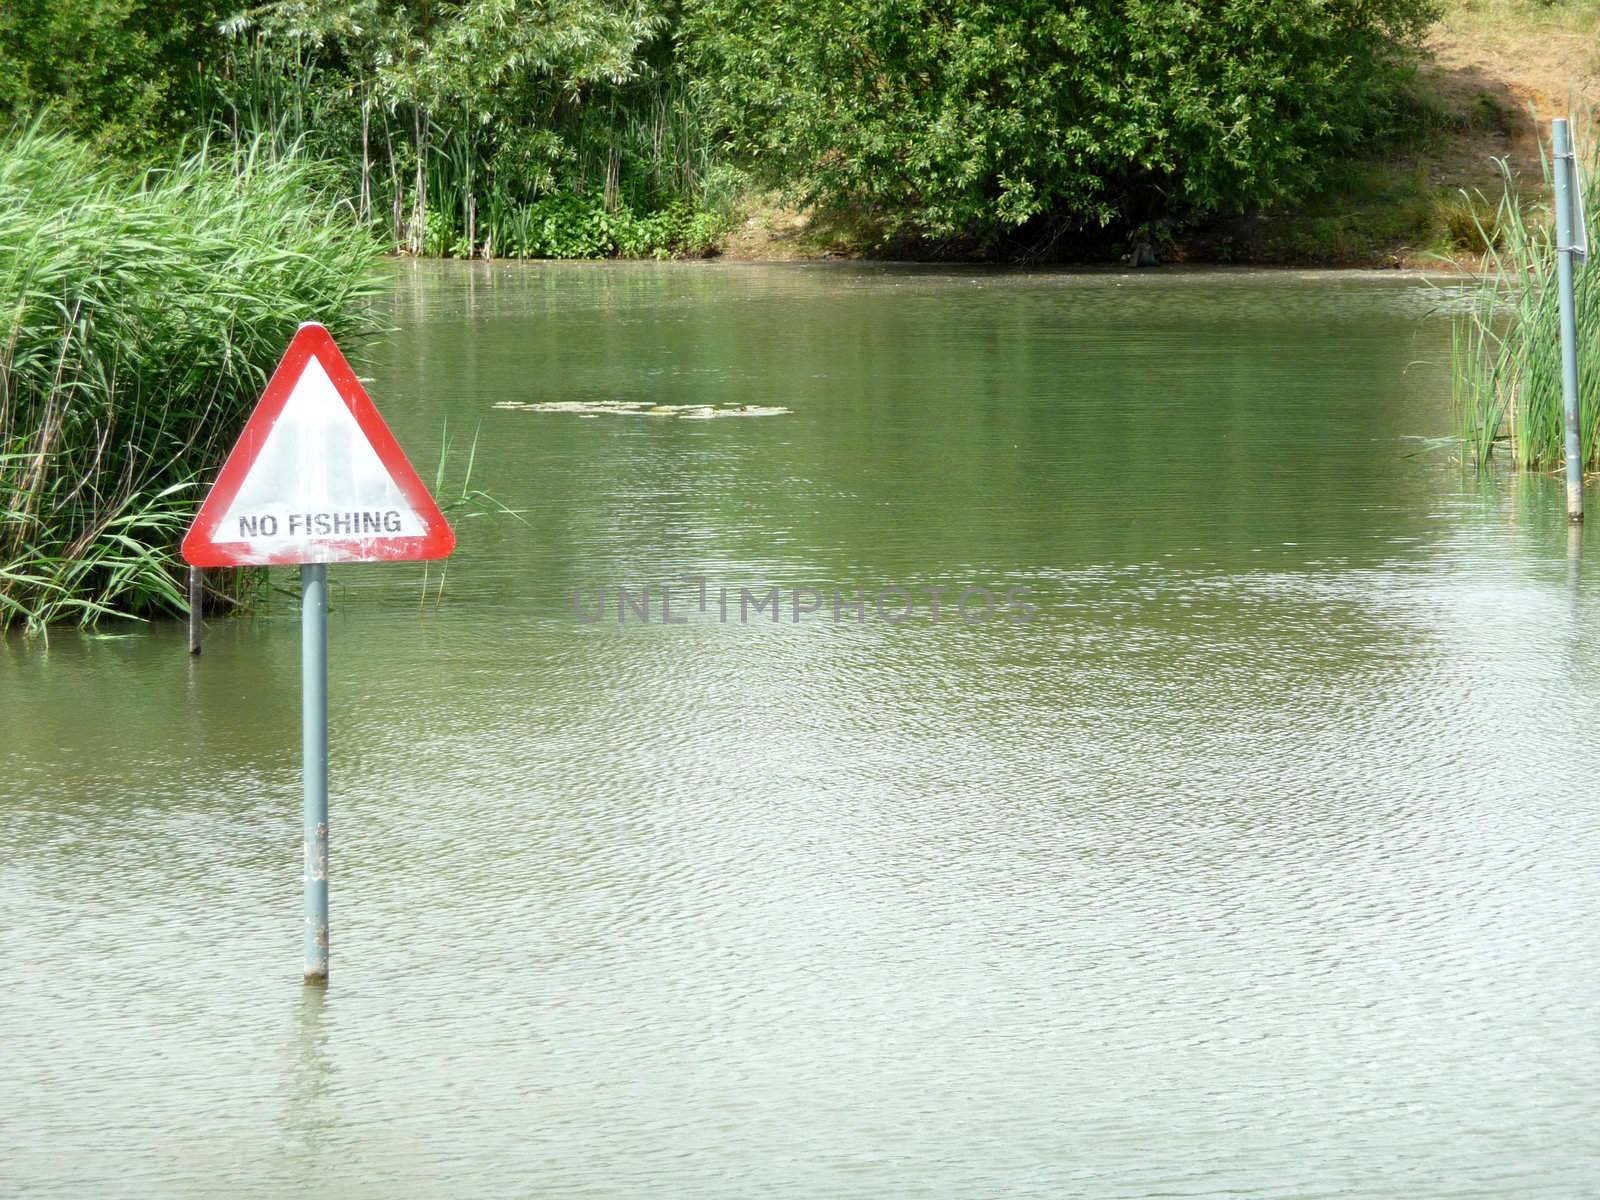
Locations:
column 1506, row 344
column 141, row 317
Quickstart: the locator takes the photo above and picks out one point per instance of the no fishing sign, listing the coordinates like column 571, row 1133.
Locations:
column 316, row 476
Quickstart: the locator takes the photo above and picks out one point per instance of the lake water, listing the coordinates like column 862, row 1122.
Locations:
column 1260, row 862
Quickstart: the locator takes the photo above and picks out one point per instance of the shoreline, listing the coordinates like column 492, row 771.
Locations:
column 1169, row 271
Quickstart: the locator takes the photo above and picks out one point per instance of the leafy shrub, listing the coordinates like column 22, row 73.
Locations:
column 565, row 225
column 123, row 73
column 956, row 118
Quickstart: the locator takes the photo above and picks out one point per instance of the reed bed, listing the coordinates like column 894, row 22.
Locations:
column 141, row 317
column 634, row 178
column 1506, row 344
column 635, row 170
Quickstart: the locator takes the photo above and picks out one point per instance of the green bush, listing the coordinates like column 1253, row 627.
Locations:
column 141, row 317
column 122, row 72
column 953, row 118
column 565, row 225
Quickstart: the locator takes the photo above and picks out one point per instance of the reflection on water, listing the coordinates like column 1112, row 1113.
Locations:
column 1259, row 864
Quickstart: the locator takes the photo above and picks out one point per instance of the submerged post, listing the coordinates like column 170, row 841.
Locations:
column 1566, row 241
column 314, row 735
column 197, row 595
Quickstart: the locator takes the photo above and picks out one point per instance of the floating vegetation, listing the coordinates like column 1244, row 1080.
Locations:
column 643, row 408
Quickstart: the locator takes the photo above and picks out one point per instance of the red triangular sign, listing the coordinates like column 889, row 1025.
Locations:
column 316, row 476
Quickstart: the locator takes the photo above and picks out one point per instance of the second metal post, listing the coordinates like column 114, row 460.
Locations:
column 314, row 736
column 197, row 599
column 1566, row 239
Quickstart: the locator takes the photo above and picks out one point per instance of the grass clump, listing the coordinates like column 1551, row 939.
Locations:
column 140, row 316
column 1469, row 221
column 1506, row 346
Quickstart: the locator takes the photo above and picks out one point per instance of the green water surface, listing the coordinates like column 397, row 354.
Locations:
column 1258, row 863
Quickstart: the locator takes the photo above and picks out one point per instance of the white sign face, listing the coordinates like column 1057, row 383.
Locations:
column 316, row 477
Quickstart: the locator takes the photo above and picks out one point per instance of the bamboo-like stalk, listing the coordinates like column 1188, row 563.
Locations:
column 365, row 211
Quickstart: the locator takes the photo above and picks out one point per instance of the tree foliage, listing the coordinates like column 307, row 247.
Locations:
column 463, row 115
column 121, row 71
column 507, row 72
column 990, row 119
column 956, row 117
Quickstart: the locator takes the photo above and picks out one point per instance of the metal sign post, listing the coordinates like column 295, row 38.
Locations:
column 314, row 738
column 1566, row 249
column 197, row 603
column 316, row 477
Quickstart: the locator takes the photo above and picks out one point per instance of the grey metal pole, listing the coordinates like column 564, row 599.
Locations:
column 1566, row 238
column 197, row 595
column 314, row 735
